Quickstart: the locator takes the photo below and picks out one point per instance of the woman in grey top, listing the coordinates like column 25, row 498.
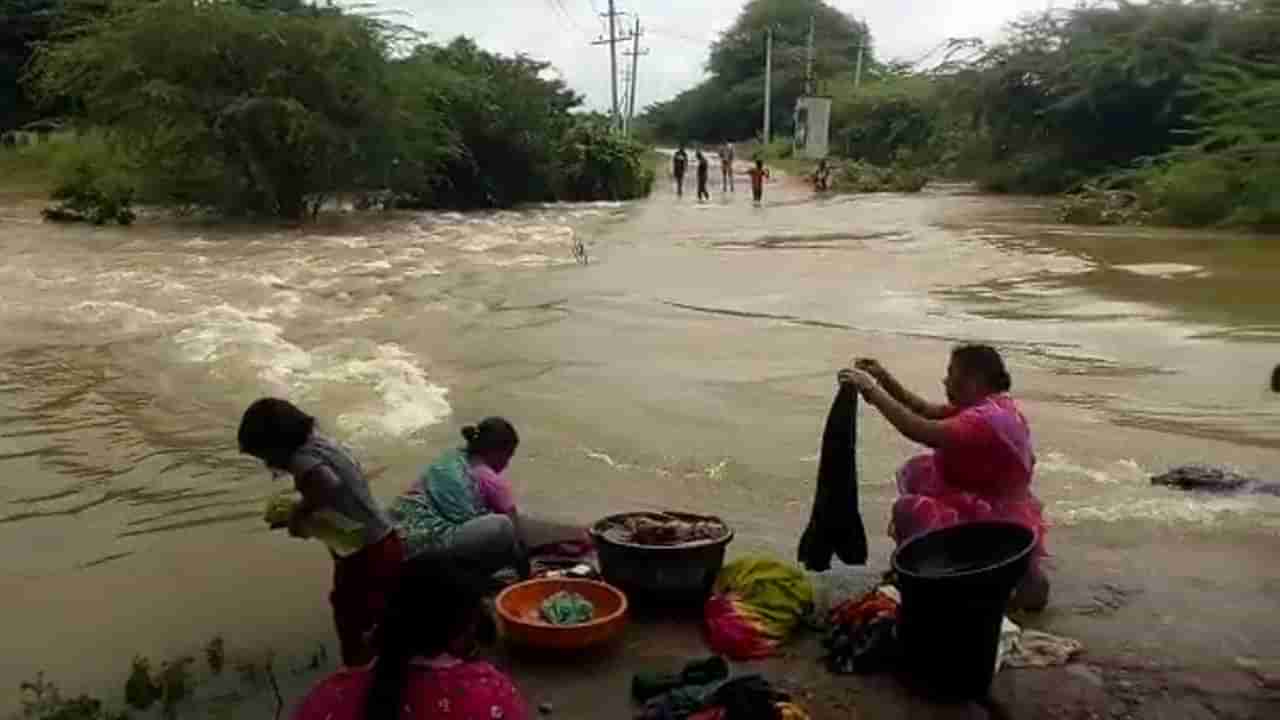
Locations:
column 332, row 483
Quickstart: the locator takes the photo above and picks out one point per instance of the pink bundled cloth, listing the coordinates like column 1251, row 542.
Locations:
column 982, row 471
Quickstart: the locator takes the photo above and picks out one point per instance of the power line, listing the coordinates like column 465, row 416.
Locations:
column 677, row 35
column 559, row 8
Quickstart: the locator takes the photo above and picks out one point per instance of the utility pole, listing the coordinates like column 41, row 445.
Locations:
column 627, row 79
column 768, row 78
column 612, row 41
column 613, row 58
column 808, row 66
column 635, row 54
column 862, row 43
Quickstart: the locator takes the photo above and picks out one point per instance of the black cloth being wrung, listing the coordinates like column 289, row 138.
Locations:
column 835, row 526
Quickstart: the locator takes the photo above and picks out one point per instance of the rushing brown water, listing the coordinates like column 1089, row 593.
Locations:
column 689, row 366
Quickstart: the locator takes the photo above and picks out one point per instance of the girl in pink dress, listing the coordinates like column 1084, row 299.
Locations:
column 982, row 462
column 423, row 670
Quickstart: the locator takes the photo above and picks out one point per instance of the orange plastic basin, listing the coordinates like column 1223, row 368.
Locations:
column 520, row 611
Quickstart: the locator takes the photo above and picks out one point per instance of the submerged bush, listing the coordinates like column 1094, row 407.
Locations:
column 860, row 177
column 91, row 179
column 1040, row 172
column 1099, row 206
column 1193, row 192
column 42, row 700
column 596, row 164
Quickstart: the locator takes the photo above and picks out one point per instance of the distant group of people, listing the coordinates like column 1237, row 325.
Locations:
column 680, row 165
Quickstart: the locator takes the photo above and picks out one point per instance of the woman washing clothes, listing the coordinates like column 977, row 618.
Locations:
column 332, row 484
column 982, row 461
column 462, row 507
column 425, row 668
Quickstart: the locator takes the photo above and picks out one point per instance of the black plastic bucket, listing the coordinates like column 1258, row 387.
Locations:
column 660, row 574
column 956, row 584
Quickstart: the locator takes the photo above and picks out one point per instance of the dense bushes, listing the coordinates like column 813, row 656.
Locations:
column 1175, row 101
column 853, row 176
column 92, row 180
column 594, row 163
column 273, row 108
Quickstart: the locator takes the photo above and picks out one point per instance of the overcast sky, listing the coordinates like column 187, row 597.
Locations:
column 678, row 37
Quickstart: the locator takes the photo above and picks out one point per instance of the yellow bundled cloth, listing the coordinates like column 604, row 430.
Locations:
column 343, row 536
column 757, row 603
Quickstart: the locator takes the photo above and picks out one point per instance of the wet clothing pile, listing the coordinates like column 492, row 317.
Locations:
column 756, row 604
column 835, row 526
column 661, row 529
column 701, row 691
column 567, row 608
column 863, row 636
column 1021, row 648
column 647, row 685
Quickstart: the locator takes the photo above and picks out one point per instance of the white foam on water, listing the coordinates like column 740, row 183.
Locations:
column 268, row 280
column 288, row 304
column 409, row 254
column 1121, row 472
column 127, row 317
column 1175, row 510
column 363, row 315
column 547, row 235
column 424, row 271
column 198, row 242
column 226, row 335
column 384, row 390
column 1163, row 270
column 368, row 267
column 606, row 459
column 354, row 242
column 715, row 472
column 486, row 242
column 531, row 260
column 406, row 401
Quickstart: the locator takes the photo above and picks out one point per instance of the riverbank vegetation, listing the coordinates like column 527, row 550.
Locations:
column 278, row 107
column 218, row 684
column 1154, row 112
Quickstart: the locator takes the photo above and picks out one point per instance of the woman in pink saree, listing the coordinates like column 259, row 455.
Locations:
column 982, row 461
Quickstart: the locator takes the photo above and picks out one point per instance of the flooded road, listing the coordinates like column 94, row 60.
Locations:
column 689, row 365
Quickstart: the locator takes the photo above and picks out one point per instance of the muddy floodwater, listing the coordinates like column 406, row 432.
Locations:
column 688, row 366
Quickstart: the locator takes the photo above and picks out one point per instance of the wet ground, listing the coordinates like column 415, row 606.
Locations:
column 689, row 365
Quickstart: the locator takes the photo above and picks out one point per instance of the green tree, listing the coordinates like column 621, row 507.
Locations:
column 23, row 24
column 508, row 118
column 895, row 119
column 272, row 106
column 1075, row 93
column 730, row 104
column 223, row 104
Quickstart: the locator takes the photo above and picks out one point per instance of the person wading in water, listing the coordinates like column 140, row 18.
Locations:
column 726, row 168
column 679, row 163
column 704, row 170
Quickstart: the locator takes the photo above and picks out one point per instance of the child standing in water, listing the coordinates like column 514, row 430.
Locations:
column 332, row 485
column 758, row 175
